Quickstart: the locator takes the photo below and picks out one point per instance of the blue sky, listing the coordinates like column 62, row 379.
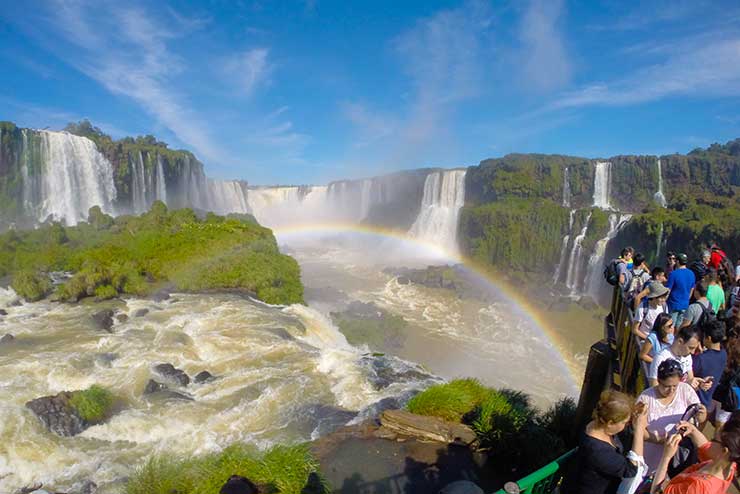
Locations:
column 310, row 91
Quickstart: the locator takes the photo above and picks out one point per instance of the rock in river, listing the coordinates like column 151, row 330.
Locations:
column 58, row 415
column 203, row 377
column 168, row 371
column 8, row 338
column 104, row 319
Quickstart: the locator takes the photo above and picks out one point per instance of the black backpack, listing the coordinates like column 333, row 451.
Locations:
column 707, row 314
column 610, row 272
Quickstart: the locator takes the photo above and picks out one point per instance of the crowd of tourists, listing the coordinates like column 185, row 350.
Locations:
column 685, row 427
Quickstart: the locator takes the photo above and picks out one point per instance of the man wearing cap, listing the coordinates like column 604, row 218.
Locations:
column 652, row 305
column 715, row 259
column 681, row 283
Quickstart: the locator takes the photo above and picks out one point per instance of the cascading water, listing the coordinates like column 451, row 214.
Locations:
column 659, row 197
column 594, row 281
column 227, row 196
column 566, row 189
column 161, row 183
column 138, row 185
column 72, row 177
column 574, row 262
column 564, row 248
column 444, row 195
column 602, row 184
column 659, row 243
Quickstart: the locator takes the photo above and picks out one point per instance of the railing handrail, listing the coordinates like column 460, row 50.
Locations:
column 527, row 483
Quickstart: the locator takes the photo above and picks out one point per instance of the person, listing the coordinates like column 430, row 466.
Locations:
column 715, row 293
column 717, row 461
column 737, row 270
column 665, row 402
column 696, row 312
column 670, row 262
column 660, row 338
column 730, row 373
column 601, row 463
column 710, row 364
column 657, row 274
column 652, row 305
column 734, row 296
column 684, row 345
column 237, row 484
column 640, row 275
column 681, row 284
column 700, row 267
column 716, row 257
column 624, row 267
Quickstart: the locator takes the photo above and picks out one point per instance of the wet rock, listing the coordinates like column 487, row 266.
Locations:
column 3, row 312
column 8, row 338
column 425, row 428
column 105, row 359
column 160, row 296
column 58, row 415
column 140, row 312
column 327, row 418
column 29, row 489
column 153, row 386
column 403, row 280
column 104, row 319
column 314, row 484
column 281, row 333
column 122, row 317
column 384, row 371
column 168, row 371
column 203, row 377
column 85, row 487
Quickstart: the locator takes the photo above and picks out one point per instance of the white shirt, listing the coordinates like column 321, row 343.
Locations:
column 666, row 354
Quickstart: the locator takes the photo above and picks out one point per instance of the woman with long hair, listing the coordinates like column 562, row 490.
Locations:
column 731, row 373
column 660, row 338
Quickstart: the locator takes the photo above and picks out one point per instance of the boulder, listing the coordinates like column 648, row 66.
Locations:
column 8, row 338
column 3, row 312
column 160, row 296
column 121, row 317
column 105, row 359
column 58, row 415
column 169, row 372
column 140, row 312
column 281, row 333
column 403, row 280
column 407, row 424
column 29, row 489
column 84, row 487
column 153, row 386
column 104, row 319
column 203, row 377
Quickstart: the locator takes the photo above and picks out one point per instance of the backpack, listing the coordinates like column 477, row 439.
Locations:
column 707, row 314
column 636, row 284
column 731, row 400
column 610, row 272
column 699, row 269
column 726, row 269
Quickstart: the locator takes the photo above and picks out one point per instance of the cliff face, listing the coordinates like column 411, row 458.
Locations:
column 566, row 215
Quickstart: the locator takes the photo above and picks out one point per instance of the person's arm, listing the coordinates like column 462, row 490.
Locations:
column 661, row 473
column 640, row 296
column 636, row 330
column 639, row 425
column 690, row 430
column 645, row 351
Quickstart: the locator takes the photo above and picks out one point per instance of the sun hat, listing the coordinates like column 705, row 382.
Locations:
column 656, row 289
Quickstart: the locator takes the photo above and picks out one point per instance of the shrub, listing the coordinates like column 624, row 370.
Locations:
column 285, row 468
column 451, row 401
column 92, row 404
column 30, row 285
column 105, row 292
column 560, row 420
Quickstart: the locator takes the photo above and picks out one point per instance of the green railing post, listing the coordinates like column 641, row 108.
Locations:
column 544, row 480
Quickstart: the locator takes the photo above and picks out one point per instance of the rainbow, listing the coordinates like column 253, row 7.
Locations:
column 475, row 268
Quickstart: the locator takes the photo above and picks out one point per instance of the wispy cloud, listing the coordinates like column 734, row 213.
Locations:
column 249, row 68
column 546, row 62
column 711, row 68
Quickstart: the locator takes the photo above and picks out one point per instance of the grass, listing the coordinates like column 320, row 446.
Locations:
column 450, row 401
column 136, row 254
column 92, row 404
column 285, row 468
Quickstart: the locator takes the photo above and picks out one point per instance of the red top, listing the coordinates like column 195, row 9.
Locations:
column 716, row 258
column 692, row 481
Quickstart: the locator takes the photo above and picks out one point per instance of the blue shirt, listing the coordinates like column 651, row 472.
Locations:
column 680, row 283
column 709, row 363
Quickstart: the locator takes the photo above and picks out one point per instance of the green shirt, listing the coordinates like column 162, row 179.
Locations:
column 716, row 295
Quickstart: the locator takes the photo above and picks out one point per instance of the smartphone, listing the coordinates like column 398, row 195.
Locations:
column 687, row 416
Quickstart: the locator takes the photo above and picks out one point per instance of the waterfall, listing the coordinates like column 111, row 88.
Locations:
column 161, row 183
column 444, row 195
column 659, row 244
column 566, row 189
column 366, row 198
column 564, row 248
column 138, row 185
column 574, row 262
column 659, row 197
column 594, row 282
column 227, row 196
column 72, row 177
column 602, row 184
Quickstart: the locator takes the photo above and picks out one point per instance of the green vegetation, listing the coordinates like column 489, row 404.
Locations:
column 519, row 234
column 134, row 254
column 31, row 285
column 516, row 434
column 286, row 469
column 451, row 401
column 93, row 404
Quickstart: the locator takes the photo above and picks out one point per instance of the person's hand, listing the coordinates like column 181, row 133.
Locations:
column 705, row 385
column 696, row 382
column 686, row 428
column 701, row 416
column 639, row 417
column 657, row 436
column 671, row 446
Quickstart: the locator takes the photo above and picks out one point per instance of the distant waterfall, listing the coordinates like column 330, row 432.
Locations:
column 602, row 184
column 566, row 189
column 73, row 176
column 594, row 281
column 659, row 244
column 227, row 196
column 574, row 262
column 161, row 183
column 138, row 185
column 564, row 248
column 444, row 195
column 659, row 197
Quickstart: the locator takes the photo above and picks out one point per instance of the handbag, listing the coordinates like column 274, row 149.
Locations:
column 632, row 485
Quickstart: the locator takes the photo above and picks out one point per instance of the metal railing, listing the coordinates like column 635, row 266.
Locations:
column 542, row 481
